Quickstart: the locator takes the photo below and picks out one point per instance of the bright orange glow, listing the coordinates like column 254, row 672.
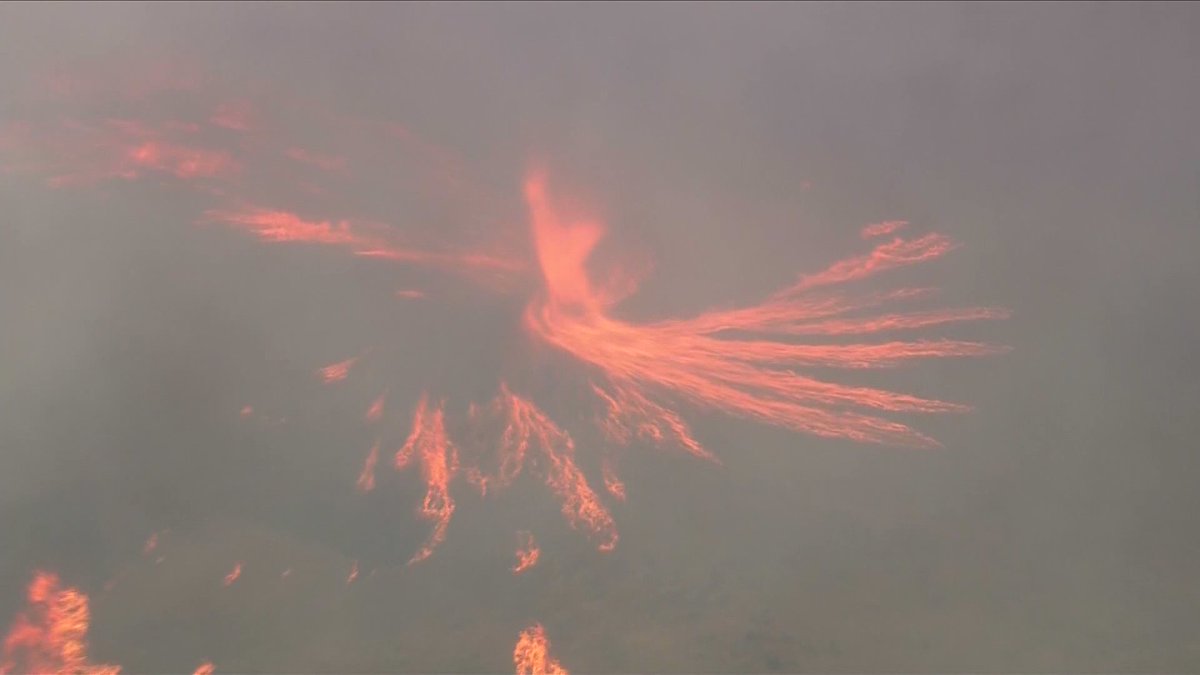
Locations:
column 527, row 428
column 697, row 360
column 429, row 444
column 204, row 669
column 180, row 160
column 531, row 656
column 353, row 573
column 336, row 372
column 233, row 574
column 527, row 552
column 51, row 635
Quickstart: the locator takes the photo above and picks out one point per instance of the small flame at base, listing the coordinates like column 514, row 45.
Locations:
column 531, row 656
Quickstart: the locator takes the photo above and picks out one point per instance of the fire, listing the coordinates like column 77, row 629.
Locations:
column 438, row 457
column 526, row 429
column 353, row 573
column 51, row 635
column 531, row 656
column 233, row 574
column 527, row 552
column 204, row 669
column 375, row 412
column 336, row 372
column 366, row 479
column 696, row 360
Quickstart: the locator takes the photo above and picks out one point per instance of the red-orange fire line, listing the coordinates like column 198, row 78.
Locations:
column 438, row 457
column 526, row 428
column 279, row 226
column 233, row 575
column 531, row 656
column 695, row 360
column 527, row 552
column 51, row 635
column 366, row 478
column 375, row 412
column 336, row 372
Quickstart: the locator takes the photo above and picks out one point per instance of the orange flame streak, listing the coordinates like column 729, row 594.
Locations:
column 612, row 481
column 278, row 226
column 431, row 446
column 233, row 574
column 631, row 414
column 353, row 573
column 375, row 412
column 526, row 427
column 527, row 552
column 51, row 635
column 879, row 229
column 336, row 372
column 410, row 294
column 366, row 479
column 531, row 656
column 204, row 669
column 746, row 377
column 180, row 160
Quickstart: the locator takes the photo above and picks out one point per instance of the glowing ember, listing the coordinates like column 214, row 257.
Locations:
column 527, row 428
column 881, row 229
column 438, row 457
column 697, row 361
column 51, row 635
column 353, row 573
column 376, row 410
column 336, row 372
column 527, row 552
column 204, row 669
column 233, row 574
column 531, row 656
column 366, row 479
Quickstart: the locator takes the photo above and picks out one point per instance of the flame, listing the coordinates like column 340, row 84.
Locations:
column 531, row 656
column 431, row 446
column 366, row 479
column 527, row 552
column 880, row 229
column 233, row 574
column 353, row 573
column 51, row 635
column 336, row 372
column 204, row 669
column 375, row 412
column 282, row 226
column 527, row 428
column 694, row 359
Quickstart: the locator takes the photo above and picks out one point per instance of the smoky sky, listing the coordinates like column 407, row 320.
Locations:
column 730, row 145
